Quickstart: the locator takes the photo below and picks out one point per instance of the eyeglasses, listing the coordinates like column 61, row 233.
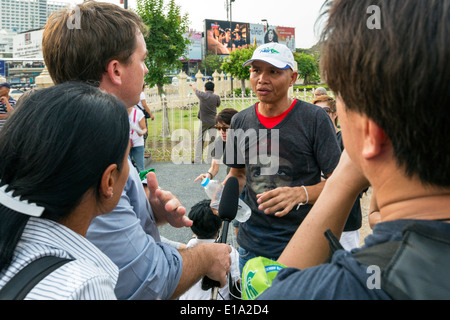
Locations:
column 222, row 128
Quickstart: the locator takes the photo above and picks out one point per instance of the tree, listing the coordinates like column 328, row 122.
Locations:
column 233, row 64
column 165, row 44
column 308, row 67
column 211, row 63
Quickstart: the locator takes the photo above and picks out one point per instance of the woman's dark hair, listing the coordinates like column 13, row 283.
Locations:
column 205, row 223
column 397, row 74
column 54, row 148
column 225, row 115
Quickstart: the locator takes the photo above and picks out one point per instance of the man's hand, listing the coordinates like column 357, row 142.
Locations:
column 166, row 207
column 220, row 262
column 280, row 200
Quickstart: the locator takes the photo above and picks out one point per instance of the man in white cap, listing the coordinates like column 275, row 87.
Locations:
column 6, row 103
column 278, row 148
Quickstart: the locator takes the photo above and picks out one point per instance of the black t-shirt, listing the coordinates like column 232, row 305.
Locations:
column 294, row 153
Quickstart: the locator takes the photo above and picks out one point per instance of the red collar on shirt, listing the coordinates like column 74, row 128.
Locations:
column 270, row 122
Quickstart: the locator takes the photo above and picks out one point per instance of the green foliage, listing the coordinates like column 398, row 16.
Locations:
column 238, row 92
column 211, row 63
column 165, row 38
column 310, row 87
column 308, row 67
column 233, row 64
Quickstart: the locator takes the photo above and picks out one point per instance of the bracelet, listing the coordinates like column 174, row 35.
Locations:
column 210, row 174
column 307, row 199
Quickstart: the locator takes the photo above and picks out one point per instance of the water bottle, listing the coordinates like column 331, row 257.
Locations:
column 214, row 190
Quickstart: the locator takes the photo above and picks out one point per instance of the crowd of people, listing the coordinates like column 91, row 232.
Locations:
column 70, row 190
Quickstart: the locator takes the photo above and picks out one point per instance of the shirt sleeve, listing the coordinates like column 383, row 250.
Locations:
column 326, row 146
column 147, row 269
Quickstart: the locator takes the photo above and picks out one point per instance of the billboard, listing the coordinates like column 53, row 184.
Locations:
column 28, row 45
column 223, row 39
column 194, row 50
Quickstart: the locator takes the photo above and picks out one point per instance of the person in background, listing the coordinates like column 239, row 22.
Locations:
column 209, row 102
column 137, row 131
column 350, row 236
column 6, row 103
column 143, row 106
column 41, row 214
column 223, row 121
column 128, row 235
column 320, row 91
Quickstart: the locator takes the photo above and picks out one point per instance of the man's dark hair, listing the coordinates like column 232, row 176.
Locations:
column 209, row 86
column 205, row 223
column 397, row 75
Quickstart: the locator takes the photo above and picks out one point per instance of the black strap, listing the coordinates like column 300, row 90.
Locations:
column 22, row 283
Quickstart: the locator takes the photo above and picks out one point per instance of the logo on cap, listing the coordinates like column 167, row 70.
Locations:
column 268, row 50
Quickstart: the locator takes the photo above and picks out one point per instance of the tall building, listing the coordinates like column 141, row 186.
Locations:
column 23, row 15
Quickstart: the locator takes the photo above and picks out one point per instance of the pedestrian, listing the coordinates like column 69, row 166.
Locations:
column 283, row 146
column 350, row 236
column 320, row 91
column 128, row 235
column 137, row 131
column 41, row 214
column 223, row 121
column 6, row 103
column 209, row 102
column 396, row 140
column 143, row 106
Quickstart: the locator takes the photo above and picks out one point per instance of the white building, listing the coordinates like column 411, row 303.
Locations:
column 23, row 15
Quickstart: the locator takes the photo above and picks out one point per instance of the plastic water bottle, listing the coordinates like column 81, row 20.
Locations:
column 214, row 190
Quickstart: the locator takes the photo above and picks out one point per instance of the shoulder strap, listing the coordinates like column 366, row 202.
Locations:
column 22, row 283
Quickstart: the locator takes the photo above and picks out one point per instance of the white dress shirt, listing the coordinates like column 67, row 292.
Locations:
column 91, row 276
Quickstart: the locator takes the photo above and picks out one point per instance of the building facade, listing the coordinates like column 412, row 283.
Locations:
column 23, row 15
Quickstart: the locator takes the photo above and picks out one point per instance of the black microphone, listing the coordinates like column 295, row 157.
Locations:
column 228, row 207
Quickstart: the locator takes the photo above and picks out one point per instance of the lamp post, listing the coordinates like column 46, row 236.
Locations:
column 231, row 36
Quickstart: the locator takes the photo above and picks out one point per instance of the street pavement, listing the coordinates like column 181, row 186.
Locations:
column 179, row 179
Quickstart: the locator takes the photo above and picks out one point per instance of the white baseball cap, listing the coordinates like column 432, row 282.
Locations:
column 276, row 54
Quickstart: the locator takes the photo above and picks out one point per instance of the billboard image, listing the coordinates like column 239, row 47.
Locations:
column 221, row 39
column 194, row 50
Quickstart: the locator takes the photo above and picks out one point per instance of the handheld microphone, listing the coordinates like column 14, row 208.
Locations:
column 228, row 208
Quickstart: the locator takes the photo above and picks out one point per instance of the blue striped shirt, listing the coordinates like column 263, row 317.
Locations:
column 3, row 110
column 91, row 276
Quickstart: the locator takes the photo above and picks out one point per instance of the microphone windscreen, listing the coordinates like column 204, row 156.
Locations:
column 229, row 200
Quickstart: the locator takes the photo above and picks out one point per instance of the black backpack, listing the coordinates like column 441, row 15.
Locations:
column 22, row 283
column 415, row 268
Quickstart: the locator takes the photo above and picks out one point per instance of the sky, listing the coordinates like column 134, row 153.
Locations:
column 299, row 14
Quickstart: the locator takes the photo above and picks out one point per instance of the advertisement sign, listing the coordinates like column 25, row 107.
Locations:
column 28, row 45
column 2, row 68
column 194, row 51
column 222, row 39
